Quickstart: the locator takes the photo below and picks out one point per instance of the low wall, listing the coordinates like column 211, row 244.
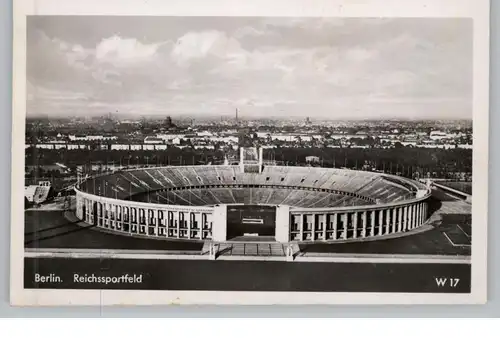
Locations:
column 461, row 194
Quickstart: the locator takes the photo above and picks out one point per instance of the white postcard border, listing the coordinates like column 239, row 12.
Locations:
column 478, row 10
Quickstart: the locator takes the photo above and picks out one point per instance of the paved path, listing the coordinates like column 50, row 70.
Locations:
column 186, row 255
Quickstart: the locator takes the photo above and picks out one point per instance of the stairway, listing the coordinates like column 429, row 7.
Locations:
column 255, row 249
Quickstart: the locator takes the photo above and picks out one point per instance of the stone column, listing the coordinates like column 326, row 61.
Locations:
column 387, row 221
column 142, row 220
column 129, row 220
column 219, row 225
column 131, row 215
column 394, row 220
column 202, row 223
column 189, row 225
column 325, row 225
column 355, row 225
column 410, row 216
column 313, row 227
column 113, row 214
column 372, row 221
column 380, row 222
column 109, row 215
column 365, row 218
column 335, row 216
column 93, row 215
column 414, row 220
column 415, row 216
column 120, row 214
column 118, row 218
column 344, row 235
column 282, row 233
column 420, row 207
column 102, row 214
column 400, row 219
column 106, row 214
column 157, row 222
column 91, row 212
column 405, row 218
column 177, row 219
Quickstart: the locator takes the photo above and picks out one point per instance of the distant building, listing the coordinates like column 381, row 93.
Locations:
column 38, row 193
column 120, row 147
column 168, row 137
column 204, row 133
column 153, row 140
column 168, row 122
column 74, row 138
column 312, row 159
column 263, row 134
column 44, row 146
column 437, row 135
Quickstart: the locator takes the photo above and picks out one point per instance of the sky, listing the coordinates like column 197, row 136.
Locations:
column 334, row 68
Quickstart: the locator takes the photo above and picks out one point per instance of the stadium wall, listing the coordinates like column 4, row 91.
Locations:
column 140, row 219
column 357, row 223
column 455, row 192
column 293, row 224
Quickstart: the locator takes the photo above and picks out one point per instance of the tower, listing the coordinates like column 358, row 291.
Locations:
column 236, row 119
column 251, row 160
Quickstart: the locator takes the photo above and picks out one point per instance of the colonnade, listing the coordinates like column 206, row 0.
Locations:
column 342, row 225
column 210, row 223
column 132, row 218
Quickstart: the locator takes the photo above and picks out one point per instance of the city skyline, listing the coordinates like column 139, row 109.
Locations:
column 324, row 68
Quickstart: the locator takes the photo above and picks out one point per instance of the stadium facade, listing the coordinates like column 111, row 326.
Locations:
column 286, row 204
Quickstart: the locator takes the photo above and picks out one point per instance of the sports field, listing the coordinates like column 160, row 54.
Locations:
column 250, row 219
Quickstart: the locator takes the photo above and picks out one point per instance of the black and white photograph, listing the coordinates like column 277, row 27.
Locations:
column 250, row 154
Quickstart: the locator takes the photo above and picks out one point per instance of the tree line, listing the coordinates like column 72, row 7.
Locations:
column 404, row 160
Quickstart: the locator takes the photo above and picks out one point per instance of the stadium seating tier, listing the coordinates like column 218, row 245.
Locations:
column 208, row 185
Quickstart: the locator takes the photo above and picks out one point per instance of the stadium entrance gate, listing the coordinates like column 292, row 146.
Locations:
column 251, row 220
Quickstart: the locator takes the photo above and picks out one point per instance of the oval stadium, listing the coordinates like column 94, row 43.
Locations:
column 253, row 201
